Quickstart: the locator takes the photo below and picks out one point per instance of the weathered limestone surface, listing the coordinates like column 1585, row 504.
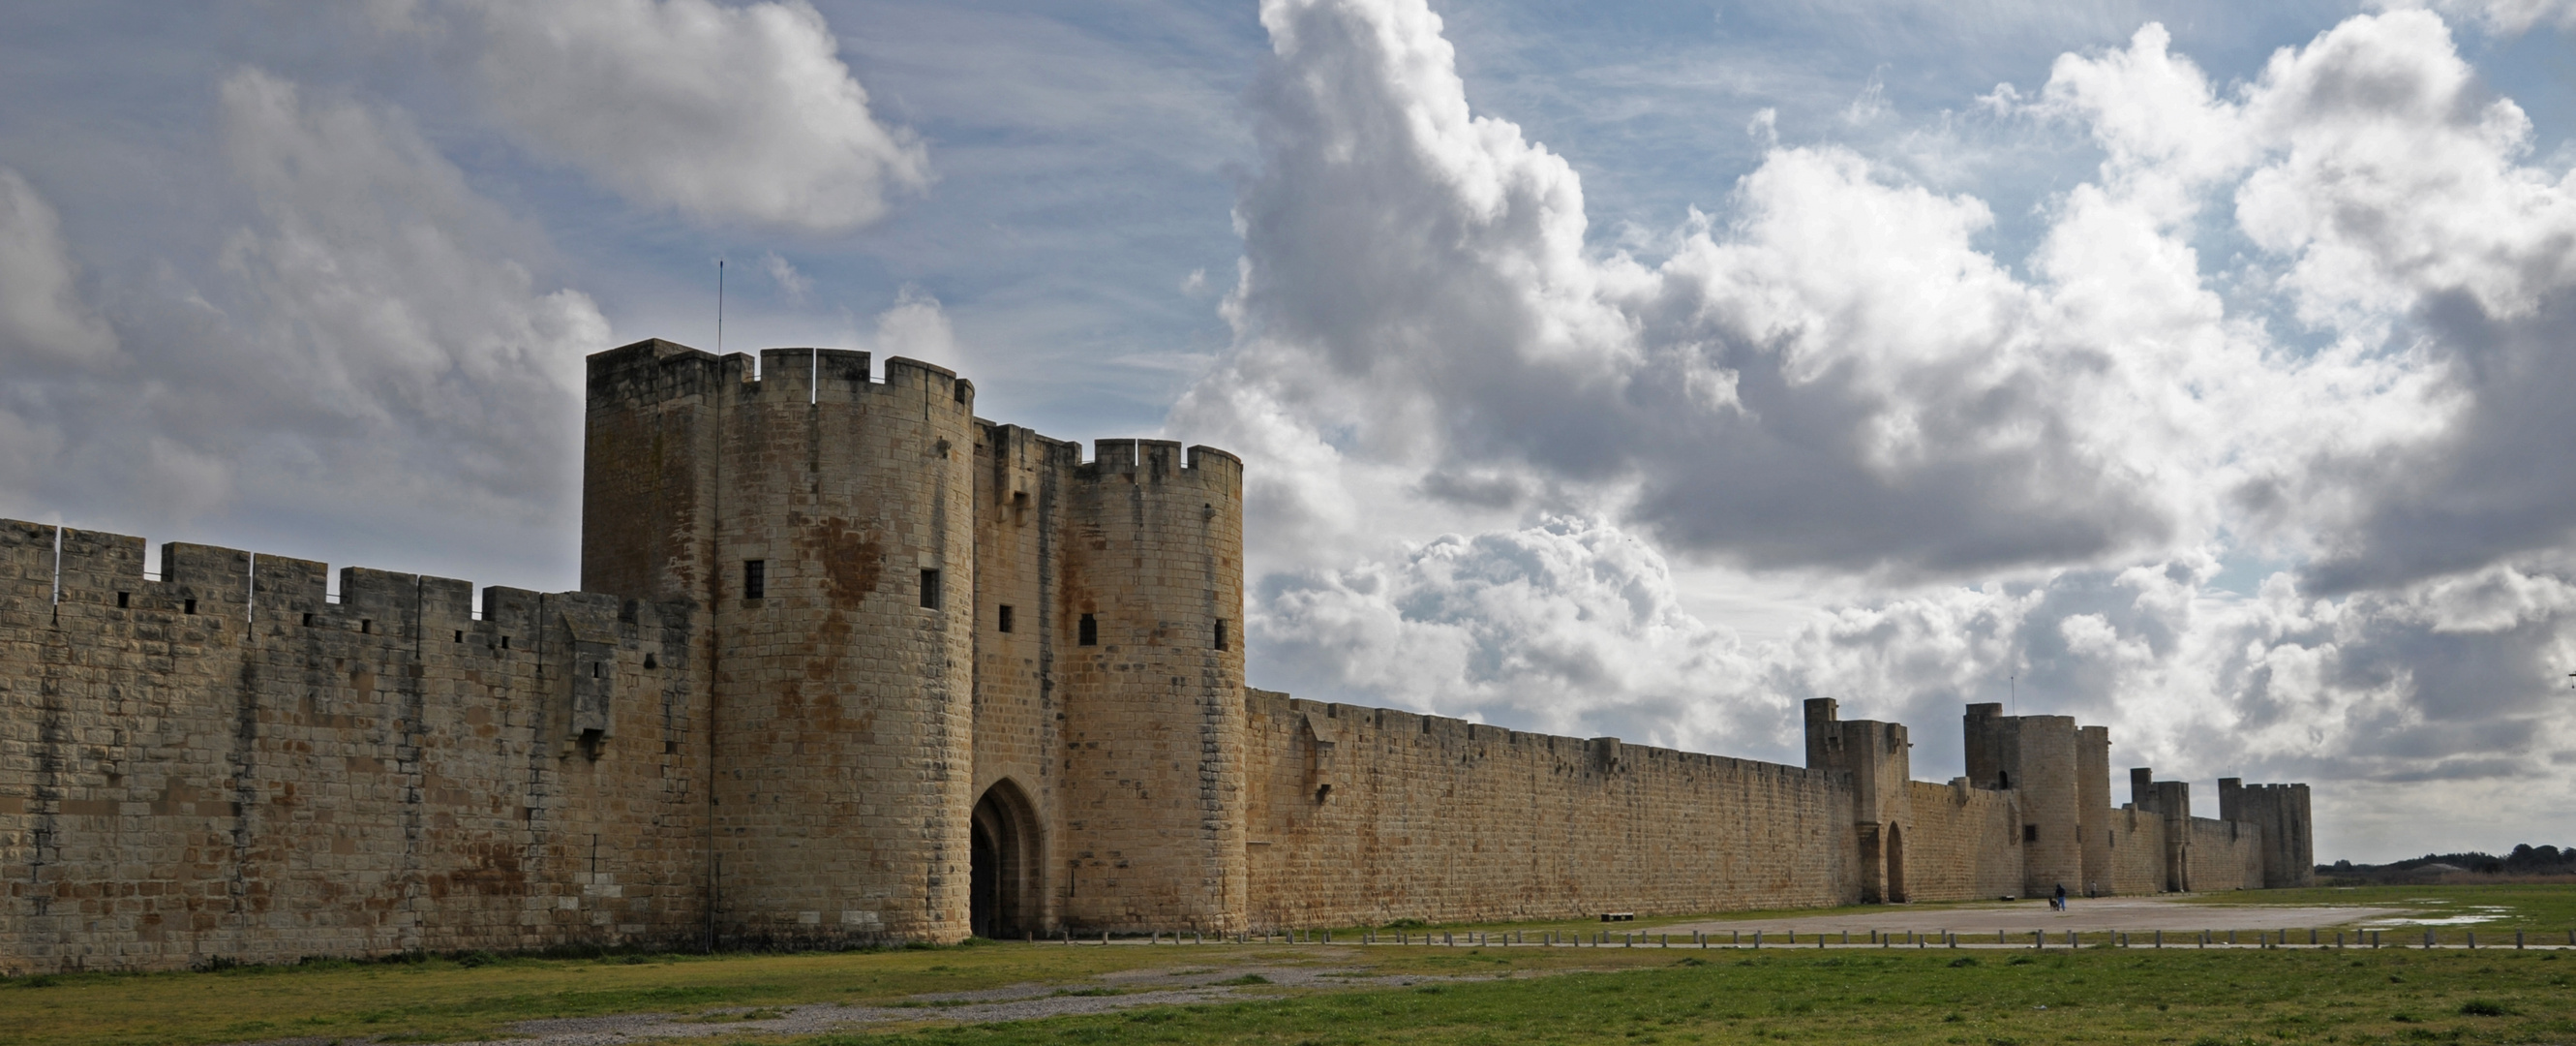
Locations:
column 231, row 764
column 1966, row 842
column 220, row 760
column 1153, row 795
column 1365, row 815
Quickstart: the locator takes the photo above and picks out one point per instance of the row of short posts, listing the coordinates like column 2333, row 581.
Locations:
column 1737, row 938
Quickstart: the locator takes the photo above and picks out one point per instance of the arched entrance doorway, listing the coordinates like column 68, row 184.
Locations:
column 1003, row 891
column 1895, row 864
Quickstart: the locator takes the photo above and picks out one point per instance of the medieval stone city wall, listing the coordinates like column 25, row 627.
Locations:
column 2224, row 855
column 2136, row 841
column 1367, row 815
column 854, row 666
column 1964, row 842
column 205, row 765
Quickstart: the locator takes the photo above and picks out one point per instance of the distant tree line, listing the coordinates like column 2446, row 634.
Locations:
column 2525, row 859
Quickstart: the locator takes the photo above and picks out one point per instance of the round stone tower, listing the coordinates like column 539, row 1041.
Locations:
column 824, row 521
column 1151, row 621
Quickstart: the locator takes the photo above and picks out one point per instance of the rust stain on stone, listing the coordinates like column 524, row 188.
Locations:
column 852, row 559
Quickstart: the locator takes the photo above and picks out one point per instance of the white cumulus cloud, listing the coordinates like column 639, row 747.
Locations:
column 726, row 113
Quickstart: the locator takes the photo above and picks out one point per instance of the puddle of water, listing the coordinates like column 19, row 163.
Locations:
column 2447, row 920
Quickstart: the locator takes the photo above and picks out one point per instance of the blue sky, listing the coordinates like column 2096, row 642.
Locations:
column 2183, row 367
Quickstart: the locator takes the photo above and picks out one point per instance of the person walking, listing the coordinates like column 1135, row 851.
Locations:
column 2059, row 902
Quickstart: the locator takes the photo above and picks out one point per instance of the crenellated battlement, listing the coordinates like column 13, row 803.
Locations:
column 655, row 371
column 1162, row 460
column 103, row 572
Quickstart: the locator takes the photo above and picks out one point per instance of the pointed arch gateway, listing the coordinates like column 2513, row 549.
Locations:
column 1896, row 893
column 1006, row 891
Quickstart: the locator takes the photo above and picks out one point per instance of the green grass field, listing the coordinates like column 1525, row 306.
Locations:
column 1984, row 998
column 1591, row 995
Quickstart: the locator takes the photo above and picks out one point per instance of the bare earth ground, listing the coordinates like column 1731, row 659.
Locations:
column 2107, row 913
column 1132, row 988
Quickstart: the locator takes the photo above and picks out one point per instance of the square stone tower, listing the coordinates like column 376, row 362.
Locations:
column 1879, row 759
column 2045, row 760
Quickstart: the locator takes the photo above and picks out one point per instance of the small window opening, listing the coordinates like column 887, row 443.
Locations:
column 460, row 635
column 592, row 741
column 1005, row 622
column 2003, row 779
column 1220, row 633
column 595, row 670
column 1090, row 632
column 121, row 597
column 505, row 642
column 188, row 607
column 648, row 663
column 755, row 578
column 1019, row 506
column 670, row 748
column 2030, row 833
column 366, row 627
column 308, row 619
column 1324, row 793
column 930, row 590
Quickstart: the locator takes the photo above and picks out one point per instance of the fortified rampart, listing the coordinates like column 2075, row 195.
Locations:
column 853, row 665
column 1366, row 815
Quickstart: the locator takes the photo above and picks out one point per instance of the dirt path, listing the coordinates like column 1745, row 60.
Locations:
column 1019, row 1002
